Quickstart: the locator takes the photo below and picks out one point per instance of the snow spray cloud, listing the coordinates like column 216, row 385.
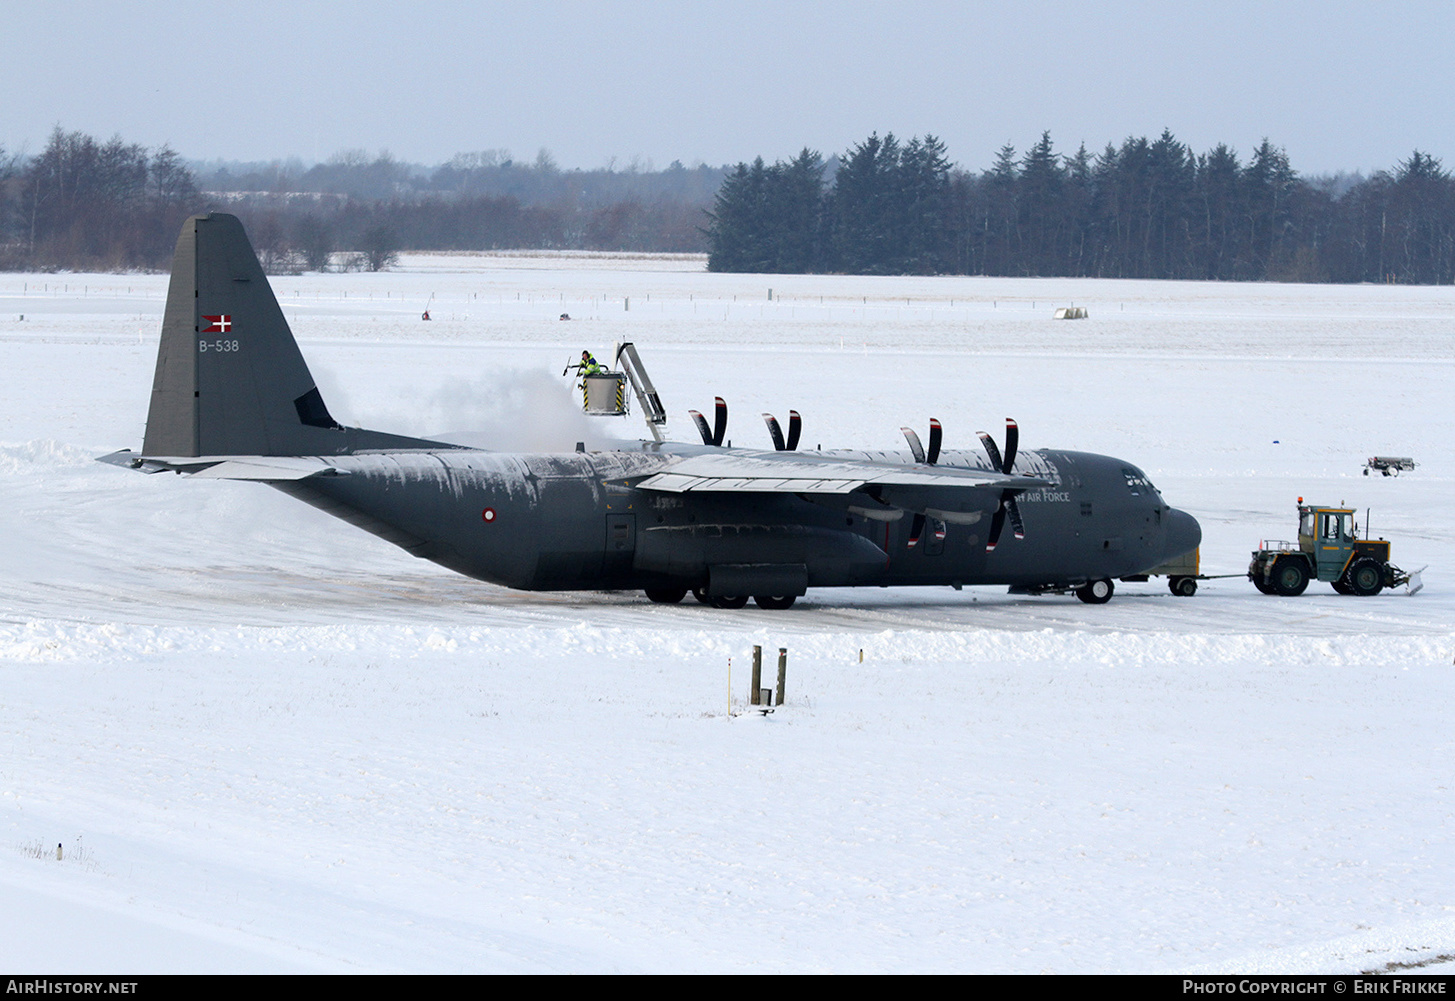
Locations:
column 512, row 411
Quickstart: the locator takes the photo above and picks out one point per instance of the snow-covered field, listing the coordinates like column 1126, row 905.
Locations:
column 270, row 742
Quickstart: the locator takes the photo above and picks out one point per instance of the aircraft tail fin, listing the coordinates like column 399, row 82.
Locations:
column 230, row 379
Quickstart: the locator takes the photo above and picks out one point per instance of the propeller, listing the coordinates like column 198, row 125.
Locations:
column 795, row 430
column 1007, row 503
column 937, row 435
column 916, row 447
column 719, row 424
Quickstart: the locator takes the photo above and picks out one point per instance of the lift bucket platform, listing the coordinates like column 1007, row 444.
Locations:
column 604, row 394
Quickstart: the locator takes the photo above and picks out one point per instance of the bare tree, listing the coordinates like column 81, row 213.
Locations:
column 313, row 239
column 380, row 247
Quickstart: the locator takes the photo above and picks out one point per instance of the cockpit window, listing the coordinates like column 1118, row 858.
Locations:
column 1137, row 482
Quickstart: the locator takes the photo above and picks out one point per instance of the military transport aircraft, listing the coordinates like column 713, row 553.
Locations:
column 233, row 399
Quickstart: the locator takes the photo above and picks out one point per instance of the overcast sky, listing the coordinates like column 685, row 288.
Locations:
column 1342, row 86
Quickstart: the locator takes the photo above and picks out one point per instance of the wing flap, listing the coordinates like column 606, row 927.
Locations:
column 681, row 483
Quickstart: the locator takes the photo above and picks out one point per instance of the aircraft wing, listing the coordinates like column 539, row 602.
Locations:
column 801, row 473
column 226, row 467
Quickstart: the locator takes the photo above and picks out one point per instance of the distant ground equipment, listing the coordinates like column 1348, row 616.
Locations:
column 1389, row 465
column 1328, row 549
column 1070, row 313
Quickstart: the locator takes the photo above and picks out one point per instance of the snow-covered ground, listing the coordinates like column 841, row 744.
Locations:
column 270, row 742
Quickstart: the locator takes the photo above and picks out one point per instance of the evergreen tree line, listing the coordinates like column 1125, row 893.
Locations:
column 81, row 203
column 1145, row 209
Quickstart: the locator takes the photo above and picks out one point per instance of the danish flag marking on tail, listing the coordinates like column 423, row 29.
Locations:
column 219, row 324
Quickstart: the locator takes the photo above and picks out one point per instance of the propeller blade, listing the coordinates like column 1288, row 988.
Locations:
column 1018, row 526
column 774, row 432
column 939, row 529
column 937, row 435
column 1007, row 503
column 914, row 444
column 990, row 449
column 997, row 522
column 795, row 429
column 916, row 527
column 702, row 427
column 719, row 422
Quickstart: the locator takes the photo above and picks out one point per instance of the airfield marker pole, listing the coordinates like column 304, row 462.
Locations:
column 782, row 671
column 757, row 674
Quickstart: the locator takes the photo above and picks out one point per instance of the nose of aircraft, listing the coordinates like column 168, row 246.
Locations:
column 1184, row 534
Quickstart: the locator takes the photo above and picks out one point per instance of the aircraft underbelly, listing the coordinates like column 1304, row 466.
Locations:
column 831, row 558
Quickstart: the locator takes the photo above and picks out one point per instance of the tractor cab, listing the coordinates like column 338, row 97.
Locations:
column 1326, row 534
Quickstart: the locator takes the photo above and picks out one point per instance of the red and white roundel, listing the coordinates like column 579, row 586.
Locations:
column 487, row 515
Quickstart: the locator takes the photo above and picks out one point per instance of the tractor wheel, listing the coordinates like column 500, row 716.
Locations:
column 1290, row 577
column 1183, row 587
column 666, row 595
column 1095, row 592
column 1342, row 586
column 730, row 601
column 774, row 603
column 1366, row 577
column 1257, row 579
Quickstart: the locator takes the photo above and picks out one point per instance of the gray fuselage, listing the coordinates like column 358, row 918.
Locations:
column 573, row 521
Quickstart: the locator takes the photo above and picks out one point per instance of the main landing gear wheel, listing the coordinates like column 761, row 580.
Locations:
column 1366, row 578
column 1290, row 577
column 729, row 601
column 774, row 603
column 666, row 595
column 700, row 593
column 1095, row 592
column 1183, row 587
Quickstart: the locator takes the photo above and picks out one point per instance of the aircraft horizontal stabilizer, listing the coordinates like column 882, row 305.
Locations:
column 265, row 468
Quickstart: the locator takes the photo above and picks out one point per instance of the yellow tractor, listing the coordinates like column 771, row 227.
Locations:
column 1328, row 549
